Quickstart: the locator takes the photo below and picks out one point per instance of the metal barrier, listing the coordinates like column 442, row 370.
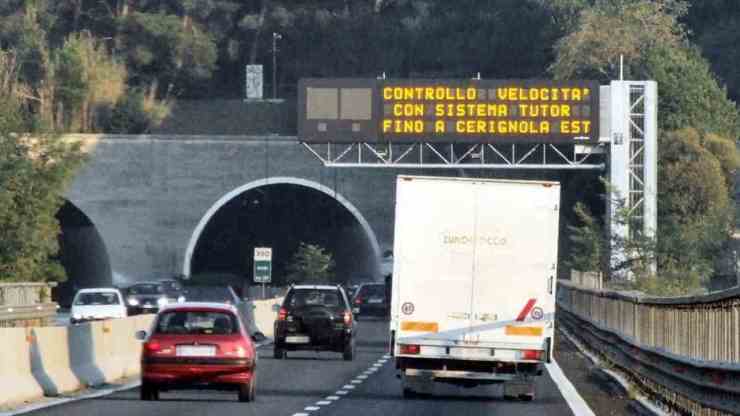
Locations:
column 20, row 293
column 684, row 351
column 27, row 315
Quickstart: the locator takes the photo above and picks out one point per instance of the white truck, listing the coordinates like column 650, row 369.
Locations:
column 473, row 287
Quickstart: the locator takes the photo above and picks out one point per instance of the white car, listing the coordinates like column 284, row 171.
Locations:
column 97, row 303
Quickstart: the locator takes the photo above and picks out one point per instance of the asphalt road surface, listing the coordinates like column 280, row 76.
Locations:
column 322, row 384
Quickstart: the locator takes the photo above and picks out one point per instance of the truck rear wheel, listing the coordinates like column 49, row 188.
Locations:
column 522, row 390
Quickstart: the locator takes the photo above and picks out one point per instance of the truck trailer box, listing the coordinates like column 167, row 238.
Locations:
column 473, row 287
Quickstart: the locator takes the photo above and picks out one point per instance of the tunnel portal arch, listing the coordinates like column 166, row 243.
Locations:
column 265, row 183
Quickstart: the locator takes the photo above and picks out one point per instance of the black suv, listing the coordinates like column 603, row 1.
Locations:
column 317, row 318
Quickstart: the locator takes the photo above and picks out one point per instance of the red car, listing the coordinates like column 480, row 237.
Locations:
column 198, row 346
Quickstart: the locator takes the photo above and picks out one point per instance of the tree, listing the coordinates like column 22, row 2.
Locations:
column 697, row 122
column 88, row 81
column 33, row 174
column 311, row 264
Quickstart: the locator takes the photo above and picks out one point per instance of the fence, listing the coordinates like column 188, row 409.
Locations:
column 684, row 351
column 26, row 304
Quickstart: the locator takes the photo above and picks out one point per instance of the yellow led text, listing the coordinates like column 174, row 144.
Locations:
column 429, row 93
column 542, row 94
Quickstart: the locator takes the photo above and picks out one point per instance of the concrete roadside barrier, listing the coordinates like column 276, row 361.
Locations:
column 264, row 315
column 129, row 351
column 85, row 342
column 50, row 361
column 17, row 384
column 105, row 351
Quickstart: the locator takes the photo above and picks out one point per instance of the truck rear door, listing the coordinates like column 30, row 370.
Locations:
column 515, row 264
column 433, row 261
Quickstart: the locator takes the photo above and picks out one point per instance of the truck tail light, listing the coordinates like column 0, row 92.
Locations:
column 347, row 318
column 358, row 301
column 531, row 355
column 410, row 349
column 282, row 314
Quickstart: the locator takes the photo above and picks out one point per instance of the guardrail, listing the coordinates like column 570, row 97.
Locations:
column 27, row 315
column 25, row 293
column 684, row 351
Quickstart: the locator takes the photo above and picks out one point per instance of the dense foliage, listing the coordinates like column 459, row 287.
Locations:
column 699, row 126
column 33, row 172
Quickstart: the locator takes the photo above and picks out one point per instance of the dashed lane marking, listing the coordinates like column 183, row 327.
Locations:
column 346, row 389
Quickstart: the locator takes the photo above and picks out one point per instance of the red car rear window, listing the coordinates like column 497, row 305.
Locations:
column 197, row 322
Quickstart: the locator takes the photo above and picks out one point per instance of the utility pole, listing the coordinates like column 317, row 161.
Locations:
column 275, row 37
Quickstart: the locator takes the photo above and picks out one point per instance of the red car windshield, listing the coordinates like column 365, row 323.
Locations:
column 197, row 322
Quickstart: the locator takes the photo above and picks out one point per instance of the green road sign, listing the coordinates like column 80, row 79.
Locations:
column 262, row 264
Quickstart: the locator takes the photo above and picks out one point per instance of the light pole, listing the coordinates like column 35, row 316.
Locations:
column 275, row 37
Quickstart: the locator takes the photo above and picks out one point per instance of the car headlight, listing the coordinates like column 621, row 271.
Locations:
column 180, row 299
column 162, row 301
column 77, row 316
column 133, row 301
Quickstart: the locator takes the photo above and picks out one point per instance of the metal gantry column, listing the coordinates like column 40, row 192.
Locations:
column 633, row 160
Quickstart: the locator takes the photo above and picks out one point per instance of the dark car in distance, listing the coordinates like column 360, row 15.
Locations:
column 371, row 299
column 198, row 346
column 317, row 318
column 148, row 297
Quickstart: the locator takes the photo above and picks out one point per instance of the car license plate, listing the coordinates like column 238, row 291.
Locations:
column 375, row 300
column 471, row 352
column 195, row 350
column 355, row 310
column 297, row 339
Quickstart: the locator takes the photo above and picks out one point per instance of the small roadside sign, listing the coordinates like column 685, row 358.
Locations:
column 262, row 264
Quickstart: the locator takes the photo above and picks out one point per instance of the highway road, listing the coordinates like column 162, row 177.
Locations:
column 323, row 384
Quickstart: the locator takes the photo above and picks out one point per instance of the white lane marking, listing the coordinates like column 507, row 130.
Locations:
column 312, row 408
column 355, row 381
column 348, row 387
column 376, row 365
column 387, row 356
column 574, row 400
column 300, row 414
column 361, row 377
column 57, row 402
column 323, row 403
column 341, row 392
column 383, row 361
column 332, row 398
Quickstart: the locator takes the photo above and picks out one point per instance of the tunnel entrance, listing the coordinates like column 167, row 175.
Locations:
column 82, row 253
column 280, row 215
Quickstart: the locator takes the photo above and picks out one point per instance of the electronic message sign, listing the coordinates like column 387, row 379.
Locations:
column 448, row 111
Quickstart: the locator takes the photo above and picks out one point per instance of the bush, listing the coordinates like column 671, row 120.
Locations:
column 128, row 115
